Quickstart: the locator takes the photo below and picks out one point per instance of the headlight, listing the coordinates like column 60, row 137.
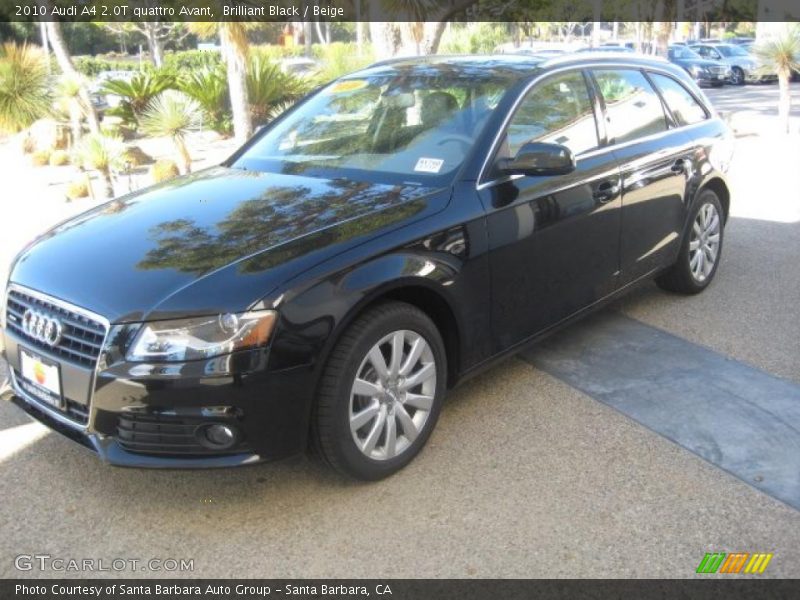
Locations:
column 202, row 337
column 697, row 69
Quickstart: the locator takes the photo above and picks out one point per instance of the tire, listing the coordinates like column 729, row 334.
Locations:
column 691, row 273
column 392, row 402
column 737, row 76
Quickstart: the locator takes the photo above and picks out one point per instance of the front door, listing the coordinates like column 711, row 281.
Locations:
column 554, row 241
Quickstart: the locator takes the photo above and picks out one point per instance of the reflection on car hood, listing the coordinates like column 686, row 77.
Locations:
column 236, row 231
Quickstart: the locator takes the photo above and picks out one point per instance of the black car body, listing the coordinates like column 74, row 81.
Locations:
column 495, row 254
column 703, row 70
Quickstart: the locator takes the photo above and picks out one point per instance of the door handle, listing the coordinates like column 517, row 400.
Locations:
column 606, row 191
column 679, row 166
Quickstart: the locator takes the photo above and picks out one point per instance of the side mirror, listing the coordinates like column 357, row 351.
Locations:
column 536, row 158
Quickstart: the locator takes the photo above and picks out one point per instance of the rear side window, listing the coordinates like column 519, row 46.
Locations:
column 680, row 102
column 634, row 109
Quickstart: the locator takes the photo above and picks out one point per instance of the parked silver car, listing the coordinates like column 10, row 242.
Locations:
column 744, row 66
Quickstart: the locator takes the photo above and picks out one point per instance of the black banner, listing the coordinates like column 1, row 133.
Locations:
column 396, row 589
column 399, row 10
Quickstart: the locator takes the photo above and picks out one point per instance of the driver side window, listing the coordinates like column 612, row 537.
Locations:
column 556, row 111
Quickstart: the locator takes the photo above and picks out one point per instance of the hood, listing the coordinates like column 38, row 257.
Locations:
column 217, row 240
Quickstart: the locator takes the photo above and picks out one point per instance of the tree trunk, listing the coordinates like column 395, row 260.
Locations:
column 432, row 36
column 68, row 69
column 154, row 44
column 75, row 120
column 236, row 62
column 384, row 39
column 45, row 44
column 662, row 32
column 359, row 29
column 308, row 34
column 785, row 101
column 108, row 183
column 183, row 152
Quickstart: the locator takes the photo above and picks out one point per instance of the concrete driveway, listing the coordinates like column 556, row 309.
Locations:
column 530, row 473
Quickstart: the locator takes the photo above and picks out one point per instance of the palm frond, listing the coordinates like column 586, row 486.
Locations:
column 780, row 55
column 268, row 87
column 101, row 152
column 171, row 114
column 24, row 86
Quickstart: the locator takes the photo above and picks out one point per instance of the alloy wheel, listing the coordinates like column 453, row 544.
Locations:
column 392, row 395
column 704, row 243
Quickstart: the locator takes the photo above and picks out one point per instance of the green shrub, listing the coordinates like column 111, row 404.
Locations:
column 164, row 170
column 94, row 65
column 40, row 158
column 59, row 158
column 341, row 58
column 78, row 188
column 179, row 63
column 268, row 88
column 209, row 88
column 137, row 93
column 474, row 38
column 134, row 156
column 24, row 86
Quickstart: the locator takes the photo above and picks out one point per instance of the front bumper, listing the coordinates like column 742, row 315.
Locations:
column 707, row 78
column 151, row 415
column 110, row 451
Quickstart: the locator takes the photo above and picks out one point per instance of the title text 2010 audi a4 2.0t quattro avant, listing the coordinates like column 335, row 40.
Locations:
column 389, row 236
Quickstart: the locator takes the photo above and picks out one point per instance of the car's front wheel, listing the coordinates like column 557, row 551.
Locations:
column 737, row 76
column 702, row 246
column 381, row 392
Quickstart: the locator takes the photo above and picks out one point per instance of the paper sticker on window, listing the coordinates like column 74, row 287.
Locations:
column 348, row 85
column 429, row 165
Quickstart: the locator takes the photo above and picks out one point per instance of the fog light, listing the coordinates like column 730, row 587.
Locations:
column 218, row 436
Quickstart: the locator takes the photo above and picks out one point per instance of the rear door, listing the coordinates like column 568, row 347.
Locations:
column 655, row 161
column 554, row 241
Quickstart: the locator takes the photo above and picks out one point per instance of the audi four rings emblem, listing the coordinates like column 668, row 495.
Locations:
column 42, row 327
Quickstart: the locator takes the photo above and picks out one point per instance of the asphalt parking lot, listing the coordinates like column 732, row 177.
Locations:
column 535, row 469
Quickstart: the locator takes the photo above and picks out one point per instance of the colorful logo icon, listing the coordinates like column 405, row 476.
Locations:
column 734, row 563
column 40, row 373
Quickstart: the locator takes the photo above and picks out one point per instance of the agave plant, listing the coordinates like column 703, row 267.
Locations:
column 172, row 114
column 780, row 56
column 137, row 93
column 24, row 86
column 269, row 88
column 209, row 88
column 102, row 153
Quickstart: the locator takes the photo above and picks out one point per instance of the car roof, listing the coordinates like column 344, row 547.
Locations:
column 513, row 65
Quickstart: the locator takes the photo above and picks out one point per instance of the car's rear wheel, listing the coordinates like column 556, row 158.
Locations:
column 381, row 392
column 701, row 250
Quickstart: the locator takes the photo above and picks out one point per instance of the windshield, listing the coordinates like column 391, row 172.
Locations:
column 404, row 125
column 731, row 51
column 683, row 53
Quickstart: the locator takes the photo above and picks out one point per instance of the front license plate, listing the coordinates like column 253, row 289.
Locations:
column 41, row 375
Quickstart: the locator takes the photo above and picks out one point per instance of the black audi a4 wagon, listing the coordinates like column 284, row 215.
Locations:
column 390, row 235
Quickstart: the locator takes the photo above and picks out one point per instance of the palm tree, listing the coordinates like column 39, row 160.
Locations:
column 235, row 49
column 69, row 89
column 56, row 39
column 780, row 56
column 172, row 114
column 102, row 153
column 24, row 86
